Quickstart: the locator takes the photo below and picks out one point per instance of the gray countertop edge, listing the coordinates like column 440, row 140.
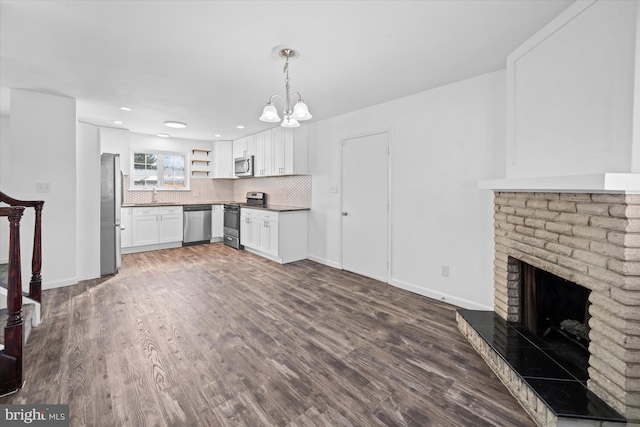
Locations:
column 274, row 208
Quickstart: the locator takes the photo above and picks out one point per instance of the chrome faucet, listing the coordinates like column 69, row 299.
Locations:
column 155, row 196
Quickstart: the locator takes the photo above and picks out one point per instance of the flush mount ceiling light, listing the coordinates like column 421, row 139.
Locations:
column 300, row 111
column 163, row 135
column 118, row 122
column 175, row 125
column 125, row 109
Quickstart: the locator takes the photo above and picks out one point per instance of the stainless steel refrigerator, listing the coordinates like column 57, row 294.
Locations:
column 110, row 205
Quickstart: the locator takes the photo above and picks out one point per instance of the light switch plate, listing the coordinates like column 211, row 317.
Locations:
column 333, row 189
column 43, row 187
column 444, row 270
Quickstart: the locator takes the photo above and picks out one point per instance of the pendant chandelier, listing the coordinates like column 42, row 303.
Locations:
column 291, row 116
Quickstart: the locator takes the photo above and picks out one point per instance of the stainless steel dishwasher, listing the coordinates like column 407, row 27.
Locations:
column 197, row 224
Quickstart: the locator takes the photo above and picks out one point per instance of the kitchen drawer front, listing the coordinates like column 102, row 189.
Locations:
column 268, row 216
column 169, row 210
column 252, row 213
column 144, row 211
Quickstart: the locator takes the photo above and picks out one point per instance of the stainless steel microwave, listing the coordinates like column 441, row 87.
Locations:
column 244, row 166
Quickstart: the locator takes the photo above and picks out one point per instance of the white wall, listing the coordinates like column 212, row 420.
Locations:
column 43, row 149
column 443, row 142
column 116, row 141
column 88, row 199
column 571, row 94
column 4, row 182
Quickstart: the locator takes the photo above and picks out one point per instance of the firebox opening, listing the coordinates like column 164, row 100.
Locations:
column 557, row 311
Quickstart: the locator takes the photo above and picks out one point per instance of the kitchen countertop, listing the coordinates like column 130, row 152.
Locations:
column 274, row 208
column 150, row 205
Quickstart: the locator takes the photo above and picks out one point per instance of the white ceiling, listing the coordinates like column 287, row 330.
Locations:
column 209, row 63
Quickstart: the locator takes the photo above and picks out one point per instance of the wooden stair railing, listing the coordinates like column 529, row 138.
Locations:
column 11, row 360
column 11, row 356
column 35, row 285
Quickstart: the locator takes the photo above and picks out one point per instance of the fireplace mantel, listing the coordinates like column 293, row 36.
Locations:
column 620, row 183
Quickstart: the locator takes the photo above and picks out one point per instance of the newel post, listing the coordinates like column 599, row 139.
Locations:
column 13, row 335
column 35, row 285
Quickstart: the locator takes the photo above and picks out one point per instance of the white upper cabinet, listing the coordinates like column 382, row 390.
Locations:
column 244, row 147
column 289, row 150
column 263, row 162
column 223, row 159
column 277, row 151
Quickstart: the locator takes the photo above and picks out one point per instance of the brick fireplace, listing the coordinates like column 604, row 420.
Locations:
column 592, row 240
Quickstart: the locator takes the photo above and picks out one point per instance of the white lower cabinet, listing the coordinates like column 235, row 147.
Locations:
column 125, row 227
column 268, row 237
column 170, row 225
column 217, row 223
column 279, row 236
column 156, row 227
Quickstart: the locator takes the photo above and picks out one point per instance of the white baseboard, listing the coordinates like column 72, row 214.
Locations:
column 146, row 248
column 4, row 260
column 323, row 261
column 440, row 296
column 59, row 283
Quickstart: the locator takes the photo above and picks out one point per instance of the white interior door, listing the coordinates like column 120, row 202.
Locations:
column 365, row 205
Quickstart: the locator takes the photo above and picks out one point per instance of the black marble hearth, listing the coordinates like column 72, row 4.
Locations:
column 556, row 381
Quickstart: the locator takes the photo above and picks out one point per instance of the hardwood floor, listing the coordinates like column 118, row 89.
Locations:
column 209, row 336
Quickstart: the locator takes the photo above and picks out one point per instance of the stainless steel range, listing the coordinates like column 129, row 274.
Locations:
column 232, row 217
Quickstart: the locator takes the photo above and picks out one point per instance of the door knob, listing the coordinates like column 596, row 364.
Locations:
column 345, row 213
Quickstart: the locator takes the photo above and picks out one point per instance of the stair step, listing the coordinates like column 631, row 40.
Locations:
column 27, row 314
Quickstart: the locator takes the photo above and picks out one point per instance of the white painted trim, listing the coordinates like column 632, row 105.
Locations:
column 324, row 261
column 635, row 133
column 4, row 260
column 59, row 283
column 264, row 255
column 440, row 296
column 145, row 248
column 628, row 183
column 568, row 15
column 547, row 31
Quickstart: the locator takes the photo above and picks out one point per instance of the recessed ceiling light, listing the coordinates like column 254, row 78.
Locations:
column 240, row 127
column 176, row 125
column 163, row 135
column 118, row 122
column 217, row 135
column 125, row 108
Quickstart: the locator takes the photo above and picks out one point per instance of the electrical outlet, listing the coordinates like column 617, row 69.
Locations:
column 444, row 270
column 333, row 189
column 43, row 187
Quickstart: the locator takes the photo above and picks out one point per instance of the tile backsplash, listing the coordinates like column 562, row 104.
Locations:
column 203, row 190
column 294, row 190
